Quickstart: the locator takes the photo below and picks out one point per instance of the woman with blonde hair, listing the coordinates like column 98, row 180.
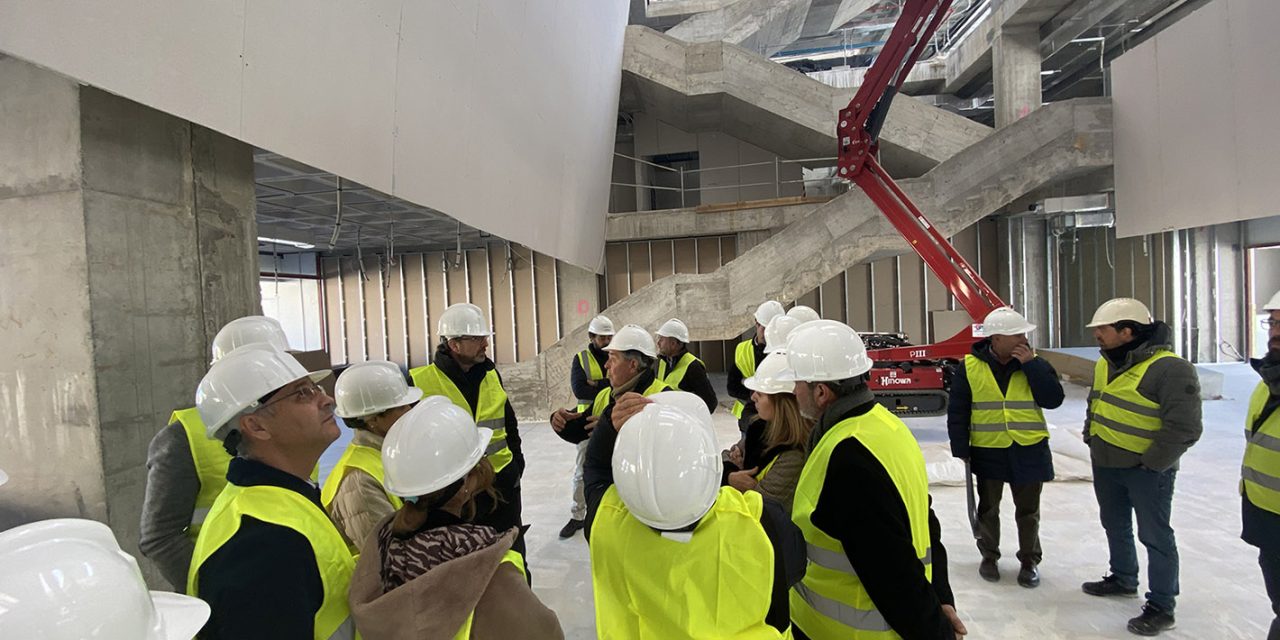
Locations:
column 428, row 571
column 772, row 455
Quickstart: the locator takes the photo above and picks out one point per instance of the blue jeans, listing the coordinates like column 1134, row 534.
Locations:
column 1122, row 493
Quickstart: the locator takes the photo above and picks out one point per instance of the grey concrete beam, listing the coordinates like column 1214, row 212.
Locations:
column 763, row 26
column 722, row 87
column 1055, row 142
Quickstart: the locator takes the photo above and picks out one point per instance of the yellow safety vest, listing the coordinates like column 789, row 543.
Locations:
column 1117, row 412
column 715, row 585
column 491, row 407
column 830, row 602
column 744, row 357
column 210, row 459
column 289, row 509
column 602, row 398
column 681, row 367
column 591, row 367
column 514, row 558
column 997, row 420
column 1260, row 474
column 366, row 459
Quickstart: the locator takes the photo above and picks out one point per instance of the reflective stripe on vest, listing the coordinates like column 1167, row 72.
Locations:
column 510, row 556
column 650, row 586
column 602, row 399
column 288, row 509
column 366, row 459
column 681, row 367
column 1119, row 414
column 1260, row 473
column 210, row 459
column 996, row 419
column 744, row 357
column 591, row 367
column 490, row 413
column 830, row 601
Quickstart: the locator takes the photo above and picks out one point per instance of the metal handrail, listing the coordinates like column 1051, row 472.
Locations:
column 777, row 181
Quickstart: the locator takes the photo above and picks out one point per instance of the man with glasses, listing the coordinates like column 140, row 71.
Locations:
column 462, row 371
column 1260, row 473
column 268, row 560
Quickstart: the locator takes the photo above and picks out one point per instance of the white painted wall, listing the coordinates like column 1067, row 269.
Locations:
column 1195, row 121
column 500, row 113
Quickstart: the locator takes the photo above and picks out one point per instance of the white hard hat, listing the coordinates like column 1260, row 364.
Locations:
column 666, row 466
column 673, row 328
column 825, row 351
column 633, row 337
column 803, row 313
column 768, row 310
column 4, row 477
column 236, row 382
column 1273, row 304
column 463, row 319
column 1117, row 309
column 248, row 330
column 776, row 332
column 766, row 378
column 432, row 446
column 688, row 402
column 67, row 579
column 601, row 326
column 369, row 388
column 1006, row 322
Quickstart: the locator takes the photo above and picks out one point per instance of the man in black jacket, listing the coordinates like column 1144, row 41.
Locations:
column 995, row 421
column 681, row 369
column 1260, row 502
column 746, row 356
column 862, row 504
column 586, row 379
column 461, row 370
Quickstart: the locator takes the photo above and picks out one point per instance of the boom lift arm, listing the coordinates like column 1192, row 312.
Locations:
column 909, row 379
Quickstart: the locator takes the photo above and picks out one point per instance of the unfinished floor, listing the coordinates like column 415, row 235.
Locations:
column 1222, row 593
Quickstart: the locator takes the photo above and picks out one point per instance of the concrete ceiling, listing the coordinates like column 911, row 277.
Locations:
column 300, row 203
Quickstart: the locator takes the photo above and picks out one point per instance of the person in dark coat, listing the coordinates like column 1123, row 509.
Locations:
column 996, row 423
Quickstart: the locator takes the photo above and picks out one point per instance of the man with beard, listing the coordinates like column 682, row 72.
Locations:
column 1143, row 414
column 1260, row 482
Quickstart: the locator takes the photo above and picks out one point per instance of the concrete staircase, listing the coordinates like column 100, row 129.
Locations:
column 1054, row 144
column 716, row 86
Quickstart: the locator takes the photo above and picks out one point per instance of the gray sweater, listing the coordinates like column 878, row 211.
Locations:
column 1174, row 385
column 172, row 486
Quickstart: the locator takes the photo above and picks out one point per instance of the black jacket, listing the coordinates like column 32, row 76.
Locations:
column 1261, row 527
column 788, row 543
column 507, row 513
column 860, row 506
column 263, row 582
column 736, row 388
column 695, row 380
column 1018, row 464
column 578, row 378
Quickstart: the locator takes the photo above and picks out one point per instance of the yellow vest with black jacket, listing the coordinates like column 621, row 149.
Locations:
column 831, row 602
column 490, row 411
column 289, row 509
column 744, row 358
column 1118, row 414
column 714, row 585
column 606, row 395
column 1260, row 473
column 591, row 367
column 998, row 419
column 210, row 460
column 676, row 375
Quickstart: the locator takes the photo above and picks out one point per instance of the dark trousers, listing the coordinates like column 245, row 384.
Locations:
column 1026, row 504
column 1123, row 494
column 1270, row 562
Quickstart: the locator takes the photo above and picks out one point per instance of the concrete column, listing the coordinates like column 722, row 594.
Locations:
column 128, row 239
column 1016, row 72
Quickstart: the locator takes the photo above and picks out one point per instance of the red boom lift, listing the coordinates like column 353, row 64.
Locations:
column 909, row 379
